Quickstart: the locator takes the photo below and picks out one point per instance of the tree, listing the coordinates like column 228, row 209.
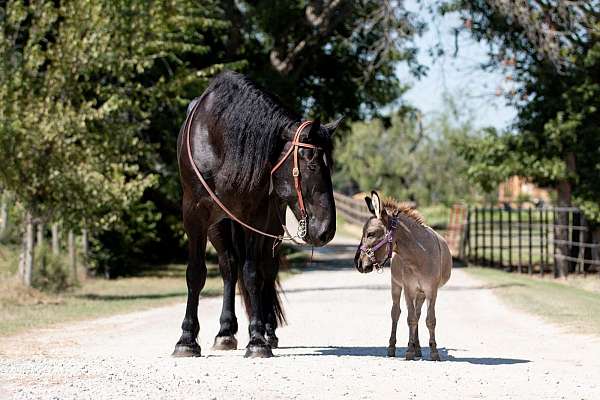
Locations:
column 552, row 49
column 407, row 159
column 79, row 81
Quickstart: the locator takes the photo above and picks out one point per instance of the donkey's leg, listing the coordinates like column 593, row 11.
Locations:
column 253, row 283
column 395, row 314
column 195, row 274
column 410, row 296
column 220, row 236
column 418, row 305
column 435, row 356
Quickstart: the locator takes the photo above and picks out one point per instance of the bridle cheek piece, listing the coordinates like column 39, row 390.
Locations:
column 295, row 148
column 387, row 240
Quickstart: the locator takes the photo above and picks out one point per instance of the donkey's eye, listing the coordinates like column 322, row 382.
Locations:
column 371, row 234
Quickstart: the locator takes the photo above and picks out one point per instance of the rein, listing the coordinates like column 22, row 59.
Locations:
column 387, row 240
column 296, row 144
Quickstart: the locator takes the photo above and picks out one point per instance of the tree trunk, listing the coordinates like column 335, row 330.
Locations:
column 55, row 239
column 72, row 257
column 564, row 191
column 27, row 255
column 85, row 250
column 3, row 214
column 40, row 235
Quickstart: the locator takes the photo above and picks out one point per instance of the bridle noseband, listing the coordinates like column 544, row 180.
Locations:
column 387, row 240
column 294, row 148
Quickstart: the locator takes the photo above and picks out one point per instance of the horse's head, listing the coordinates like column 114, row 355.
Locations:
column 375, row 245
column 303, row 179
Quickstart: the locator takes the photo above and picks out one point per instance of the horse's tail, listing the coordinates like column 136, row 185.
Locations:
column 271, row 292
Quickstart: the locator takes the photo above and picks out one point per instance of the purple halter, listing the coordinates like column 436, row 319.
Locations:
column 387, row 240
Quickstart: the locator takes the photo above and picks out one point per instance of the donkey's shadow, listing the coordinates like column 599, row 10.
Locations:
column 365, row 351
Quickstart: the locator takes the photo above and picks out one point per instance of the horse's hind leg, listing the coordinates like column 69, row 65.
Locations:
column 195, row 274
column 435, row 355
column 221, row 236
column 395, row 314
column 418, row 305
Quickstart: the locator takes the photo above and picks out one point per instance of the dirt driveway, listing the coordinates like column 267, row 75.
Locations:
column 333, row 347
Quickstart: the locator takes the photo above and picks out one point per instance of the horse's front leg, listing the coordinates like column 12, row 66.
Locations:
column 220, row 236
column 272, row 310
column 253, row 282
column 195, row 274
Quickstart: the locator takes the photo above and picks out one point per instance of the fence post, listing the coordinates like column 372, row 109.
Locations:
column 510, row 249
column 542, row 265
column 520, row 224
column 72, row 256
column 501, row 237
column 530, row 267
column 492, row 237
column 476, row 236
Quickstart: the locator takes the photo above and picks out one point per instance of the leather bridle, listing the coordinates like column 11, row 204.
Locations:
column 294, row 148
column 388, row 240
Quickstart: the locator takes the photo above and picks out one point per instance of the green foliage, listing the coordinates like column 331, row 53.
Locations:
column 53, row 274
column 555, row 58
column 406, row 160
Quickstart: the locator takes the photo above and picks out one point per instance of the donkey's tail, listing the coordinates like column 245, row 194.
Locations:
column 271, row 294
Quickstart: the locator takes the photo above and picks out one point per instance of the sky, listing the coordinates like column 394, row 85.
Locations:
column 459, row 76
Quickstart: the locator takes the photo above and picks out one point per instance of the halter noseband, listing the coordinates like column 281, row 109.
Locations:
column 294, row 148
column 387, row 240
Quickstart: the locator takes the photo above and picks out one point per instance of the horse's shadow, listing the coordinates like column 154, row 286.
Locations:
column 365, row 351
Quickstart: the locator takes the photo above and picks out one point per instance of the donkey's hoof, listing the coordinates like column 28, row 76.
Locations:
column 258, row 352
column 391, row 352
column 410, row 355
column 273, row 341
column 186, row 350
column 435, row 356
column 225, row 343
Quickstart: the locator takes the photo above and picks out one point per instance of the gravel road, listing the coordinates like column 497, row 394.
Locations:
column 334, row 347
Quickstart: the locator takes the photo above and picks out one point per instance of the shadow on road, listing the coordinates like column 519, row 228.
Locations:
column 365, row 351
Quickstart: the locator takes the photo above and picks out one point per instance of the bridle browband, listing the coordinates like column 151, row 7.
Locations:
column 294, row 148
column 387, row 240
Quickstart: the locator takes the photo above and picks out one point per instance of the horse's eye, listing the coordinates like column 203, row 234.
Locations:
column 307, row 154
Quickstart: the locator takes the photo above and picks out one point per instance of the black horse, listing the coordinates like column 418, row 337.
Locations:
column 233, row 136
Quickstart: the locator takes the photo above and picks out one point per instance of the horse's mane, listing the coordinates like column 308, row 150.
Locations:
column 251, row 121
column 395, row 207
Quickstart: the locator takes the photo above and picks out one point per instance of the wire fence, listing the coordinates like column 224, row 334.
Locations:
column 555, row 240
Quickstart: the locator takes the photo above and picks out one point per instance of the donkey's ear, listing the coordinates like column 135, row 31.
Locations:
column 369, row 204
column 332, row 126
column 377, row 206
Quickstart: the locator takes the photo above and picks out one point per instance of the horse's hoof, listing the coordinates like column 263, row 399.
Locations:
column 186, row 350
column 435, row 356
column 225, row 343
column 258, row 352
column 273, row 341
column 391, row 352
column 418, row 353
column 410, row 355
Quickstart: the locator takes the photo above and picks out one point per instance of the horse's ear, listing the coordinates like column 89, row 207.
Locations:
column 377, row 206
column 332, row 126
column 369, row 204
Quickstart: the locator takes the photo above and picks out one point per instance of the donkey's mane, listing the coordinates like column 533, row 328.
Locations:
column 251, row 121
column 395, row 207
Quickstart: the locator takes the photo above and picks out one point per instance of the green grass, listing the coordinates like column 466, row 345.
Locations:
column 569, row 305
column 25, row 308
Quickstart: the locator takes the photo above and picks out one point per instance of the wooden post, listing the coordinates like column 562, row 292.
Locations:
column 3, row 214
column 492, row 237
column 530, row 267
column 501, row 237
column 510, row 249
column 542, row 265
column 28, row 257
column 476, row 236
column 72, row 256
column 55, row 239
column 520, row 222
column 85, row 250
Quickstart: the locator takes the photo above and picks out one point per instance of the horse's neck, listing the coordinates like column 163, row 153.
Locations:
column 407, row 233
